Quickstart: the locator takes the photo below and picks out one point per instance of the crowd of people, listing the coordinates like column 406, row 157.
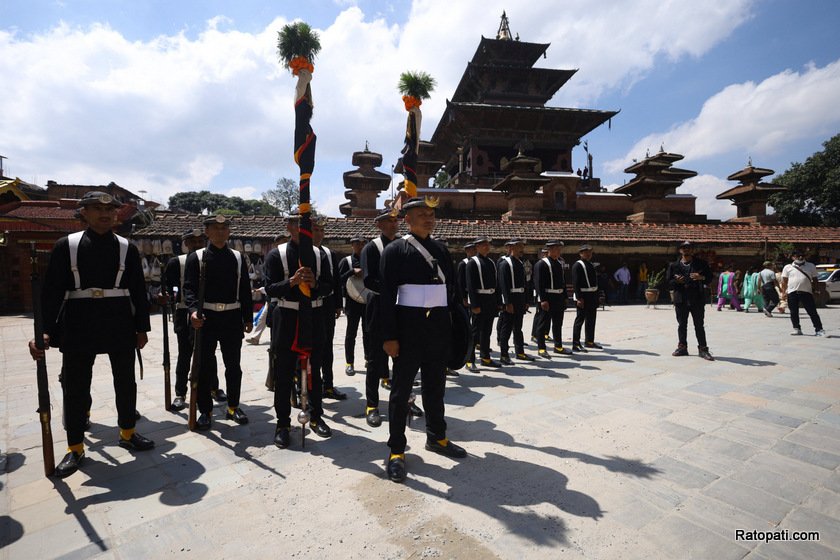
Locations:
column 417, row 309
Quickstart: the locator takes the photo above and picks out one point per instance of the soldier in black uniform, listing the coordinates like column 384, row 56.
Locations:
column 686, row 278
column 535, row 325
column 349, row 267
column 461, row 273
column 481, row 290
column 283, row 275
column 331, row 312
column 511, row 282
column 585, row 285
column 173, row 280
column 228, row 314
column 94, row 302
column 388, row 226
column 418, row 285
column 550, row 285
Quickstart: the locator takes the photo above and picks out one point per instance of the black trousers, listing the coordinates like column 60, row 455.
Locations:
column 546, row 319
column 587, row 315
column 377, row 369
column 327, row 355
column 771, row 296
column 284, row 323
column 424, row 346
column 696, row 307
column 76, row 374
column 511, row 323
column 482, row 325
column 225, row 330
column 355, row 312
column 806, row 300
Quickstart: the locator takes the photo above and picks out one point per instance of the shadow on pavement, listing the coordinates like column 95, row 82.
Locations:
column 10, row 530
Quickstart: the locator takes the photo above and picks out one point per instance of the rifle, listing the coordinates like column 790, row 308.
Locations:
column 303, row 416
column 167, row 380
column 196, row 357
column 43, row 381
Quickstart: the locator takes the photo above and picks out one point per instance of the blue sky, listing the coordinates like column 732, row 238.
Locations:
column 172, row 96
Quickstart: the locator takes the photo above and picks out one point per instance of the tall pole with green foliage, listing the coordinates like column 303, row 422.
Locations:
column 415, row 87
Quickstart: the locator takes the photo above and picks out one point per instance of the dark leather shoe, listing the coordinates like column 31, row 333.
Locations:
column 594, row 345
column 489, row 362
column 680, row 351
column 281, row 438
column 373, row 419
column 561, row 350
column 335, row 394
column 525, row 357
column 506, row 361
column 449, row 450
column 69, row 464
column 137, row 443
column 451, row 373
column 579, row 348
column 396, row 469
column 179, row 403
column 203, row 422
column 472, row 368
column 219, row 395
column 238, row 416
column 543, row 353
column 386, row 384
column 704, row 353
column 415, row 410
column 349, row 370
column 320, row 427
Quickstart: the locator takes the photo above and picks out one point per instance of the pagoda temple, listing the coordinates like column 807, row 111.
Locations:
column 363, row 185
column 653, row 190
column 751, row 194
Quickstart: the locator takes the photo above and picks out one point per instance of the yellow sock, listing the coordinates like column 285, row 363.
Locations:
column 443, row 442
column 393, row 456
column 126, row 434
column 78, row 448
column 369, row 409
column 230, row 410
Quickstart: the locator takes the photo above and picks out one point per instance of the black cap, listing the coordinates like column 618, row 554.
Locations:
column 217, row 219
column 195, row 232
column 585, row 247
column 416, row 202
column 384, row 216
column 357, row 239
column 99, row 197
column 687, row 244
column 515, row 241
column 281, row 236
column 469, row 244
column 554, row 243
column 481, row 239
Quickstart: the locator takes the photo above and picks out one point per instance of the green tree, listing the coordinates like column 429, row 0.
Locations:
column 441, row 180
column 215, row 203
column 284, row 197
column 813, row 195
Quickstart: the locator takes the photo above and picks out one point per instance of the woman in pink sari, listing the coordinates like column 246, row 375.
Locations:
column 727, row 289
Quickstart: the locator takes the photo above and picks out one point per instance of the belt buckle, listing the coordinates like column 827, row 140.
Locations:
column 220, row 307
column 97, row 292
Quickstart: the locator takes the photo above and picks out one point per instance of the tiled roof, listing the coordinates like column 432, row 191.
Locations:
column 457, row 231
column 41, row 215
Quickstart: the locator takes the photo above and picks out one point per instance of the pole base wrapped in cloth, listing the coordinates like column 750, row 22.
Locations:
column 462, row 339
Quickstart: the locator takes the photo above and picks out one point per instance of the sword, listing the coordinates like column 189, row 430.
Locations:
column 140, row 361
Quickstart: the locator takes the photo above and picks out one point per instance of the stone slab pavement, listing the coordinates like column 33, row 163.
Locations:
column 621, row 453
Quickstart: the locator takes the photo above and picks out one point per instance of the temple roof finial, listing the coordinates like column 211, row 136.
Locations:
column 749, row 161
column 504, row 29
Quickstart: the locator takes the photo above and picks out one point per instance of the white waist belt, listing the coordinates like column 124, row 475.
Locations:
column 181, row 306
column 595, row 289
column 422, row 295
column 517, row 290
column 294, row 304
column 487, row 291
column 96, row 293
column 560, row 291
column 220, row 306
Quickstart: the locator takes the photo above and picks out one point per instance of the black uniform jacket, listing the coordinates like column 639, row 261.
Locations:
column 345, row 271
column 402, row 264
column 277, row 283
column 94, row 325
column 692, row 290
column 542, row 280
column 371, row 259
column 335, row 299
column 580, row 276
column 461, row 278
column 221, row 284
column 506, row 282
column 172, row 280
column 488, row 274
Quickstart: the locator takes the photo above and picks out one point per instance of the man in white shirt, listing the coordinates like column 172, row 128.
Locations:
column 622, row 276
column 797, row 289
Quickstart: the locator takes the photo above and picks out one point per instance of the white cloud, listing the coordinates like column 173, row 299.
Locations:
column 752, row 119
column 706, row 188
column 243, row 192
column 169, row 114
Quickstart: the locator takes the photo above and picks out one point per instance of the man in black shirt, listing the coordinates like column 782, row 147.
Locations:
column 332, row 310
column 418, row 286
column 283, row 276
column 481, row 290
column 350, row 270
column 550, row 285
column 687, row 278
column 228, row 313
column 511, row 282
column 94, row 302
column 585, row 284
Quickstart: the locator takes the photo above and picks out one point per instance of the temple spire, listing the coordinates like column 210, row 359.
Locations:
column 504, row 29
